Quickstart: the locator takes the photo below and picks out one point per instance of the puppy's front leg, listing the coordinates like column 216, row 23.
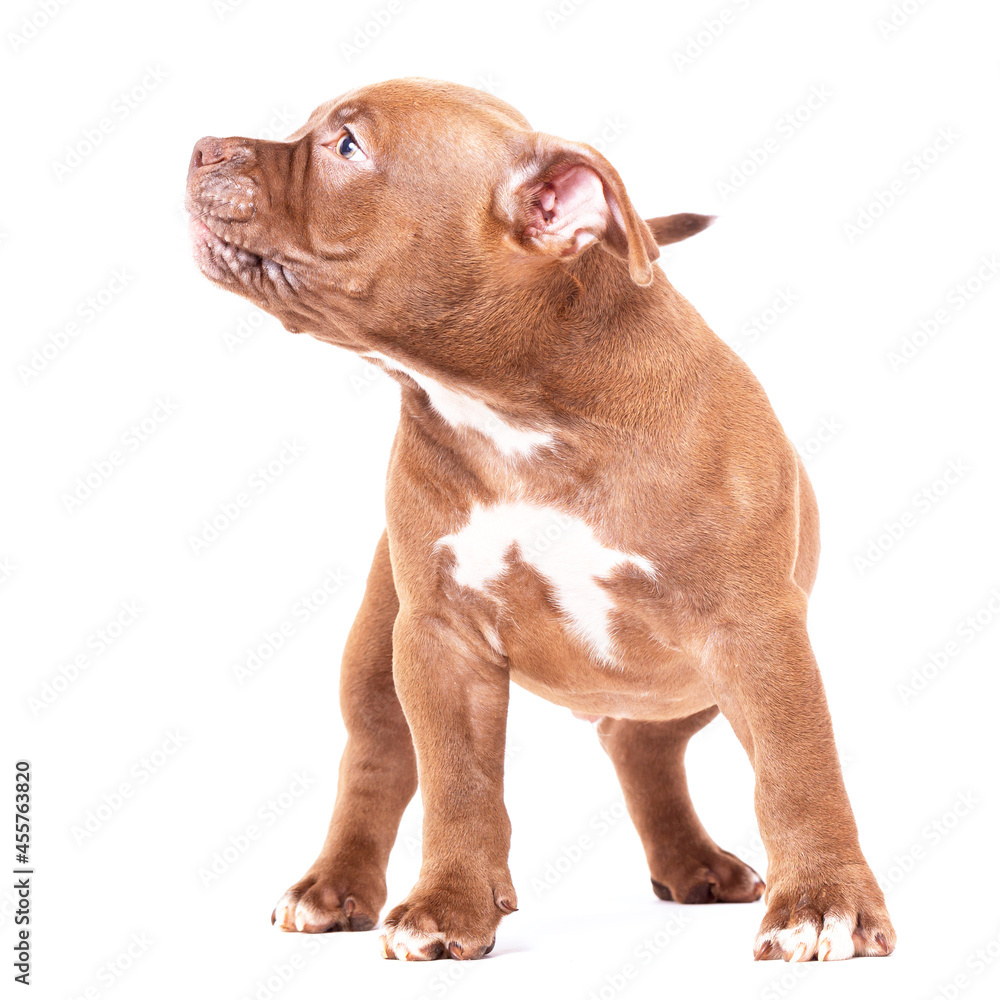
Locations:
column 822, row 899
column 455, row 698
column 345, row 887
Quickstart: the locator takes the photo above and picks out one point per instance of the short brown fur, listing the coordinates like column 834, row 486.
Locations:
column 438, row 253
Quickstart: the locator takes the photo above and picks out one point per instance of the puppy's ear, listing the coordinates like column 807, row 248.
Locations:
column 674, row 228
column 559, row 197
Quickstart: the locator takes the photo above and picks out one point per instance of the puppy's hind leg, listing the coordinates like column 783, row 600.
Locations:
column 685, row 864
column 345, row 887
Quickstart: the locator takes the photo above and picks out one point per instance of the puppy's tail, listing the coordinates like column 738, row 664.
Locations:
column 674, row 228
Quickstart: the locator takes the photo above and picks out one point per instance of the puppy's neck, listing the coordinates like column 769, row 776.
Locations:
column 541, row 347
column 569, row 361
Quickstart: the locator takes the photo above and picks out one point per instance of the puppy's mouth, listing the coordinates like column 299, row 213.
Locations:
column 228, row 262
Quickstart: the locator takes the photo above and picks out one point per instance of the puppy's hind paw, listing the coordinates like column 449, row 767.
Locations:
column 711, row 875
column 315, row 906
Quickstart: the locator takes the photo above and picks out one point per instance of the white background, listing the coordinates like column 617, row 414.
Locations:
column 920, row 766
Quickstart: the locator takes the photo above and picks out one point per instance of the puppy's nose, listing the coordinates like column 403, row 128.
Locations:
column 209, row 150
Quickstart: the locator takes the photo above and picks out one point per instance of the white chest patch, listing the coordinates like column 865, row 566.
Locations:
column 561, row 548
column 460, row 410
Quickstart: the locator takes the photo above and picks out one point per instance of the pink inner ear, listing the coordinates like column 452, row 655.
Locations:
column 573, row 208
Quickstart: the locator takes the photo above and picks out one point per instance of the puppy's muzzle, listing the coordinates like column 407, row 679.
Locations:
column 219, row 179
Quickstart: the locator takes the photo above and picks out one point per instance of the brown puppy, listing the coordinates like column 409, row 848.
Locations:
column 588, row 494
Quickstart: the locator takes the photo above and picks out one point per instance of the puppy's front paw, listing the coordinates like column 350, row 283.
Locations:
column 447, row 918
column 831, row 921
column 322, row 902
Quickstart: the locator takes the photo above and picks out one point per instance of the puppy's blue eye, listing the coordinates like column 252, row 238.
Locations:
column 348, row 148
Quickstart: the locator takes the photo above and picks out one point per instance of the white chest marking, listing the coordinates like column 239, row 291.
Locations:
column 460, row 410
column 561, row 548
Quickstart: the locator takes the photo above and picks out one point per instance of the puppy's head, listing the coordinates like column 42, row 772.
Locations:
column 401, row 206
